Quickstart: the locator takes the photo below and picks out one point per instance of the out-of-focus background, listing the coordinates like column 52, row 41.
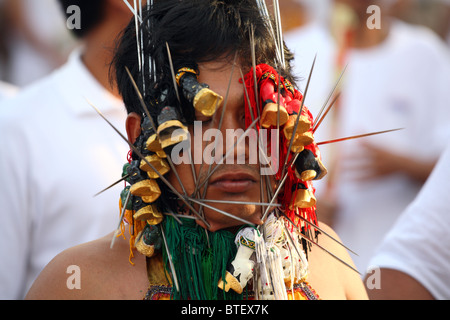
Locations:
column 396, row 58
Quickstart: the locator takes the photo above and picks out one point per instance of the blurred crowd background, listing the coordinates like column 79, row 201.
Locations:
column 395, row 77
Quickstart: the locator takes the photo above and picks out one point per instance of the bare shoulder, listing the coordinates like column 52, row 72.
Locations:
column 330, row 269
column 92, row 271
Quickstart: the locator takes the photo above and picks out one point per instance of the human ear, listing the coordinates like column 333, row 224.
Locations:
column 133, row 126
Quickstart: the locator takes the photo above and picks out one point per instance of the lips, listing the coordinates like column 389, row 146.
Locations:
column 233, row 181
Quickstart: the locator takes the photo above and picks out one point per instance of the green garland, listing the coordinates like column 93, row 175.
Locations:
column 198, row 267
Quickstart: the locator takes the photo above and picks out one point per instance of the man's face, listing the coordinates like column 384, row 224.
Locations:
column 230, row 181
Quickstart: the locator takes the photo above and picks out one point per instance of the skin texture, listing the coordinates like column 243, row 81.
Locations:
column 107, row 274
column 396, row 285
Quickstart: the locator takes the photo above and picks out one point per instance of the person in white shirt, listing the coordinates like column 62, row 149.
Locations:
column 56, row 153
column 415, row 254
column 396, row 76
column 7, row 90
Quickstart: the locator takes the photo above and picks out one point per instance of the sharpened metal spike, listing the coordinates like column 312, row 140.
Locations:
column 319, row 246
column 275, row 196
column 283, row 172
column 136, row 20
column 175, row 84
column 286, row 231
column 275, row 205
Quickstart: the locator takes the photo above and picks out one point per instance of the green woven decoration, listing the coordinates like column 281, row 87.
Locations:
column 198, row 267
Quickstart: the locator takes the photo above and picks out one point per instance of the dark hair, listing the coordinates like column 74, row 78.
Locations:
column 196, row 31
column 91, row 14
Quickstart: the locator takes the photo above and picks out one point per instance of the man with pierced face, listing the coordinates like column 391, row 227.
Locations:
column 197, row 231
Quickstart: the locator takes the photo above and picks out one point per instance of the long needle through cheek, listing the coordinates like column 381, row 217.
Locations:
column 224, row 108
column 124, row 208
column 221, row 212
